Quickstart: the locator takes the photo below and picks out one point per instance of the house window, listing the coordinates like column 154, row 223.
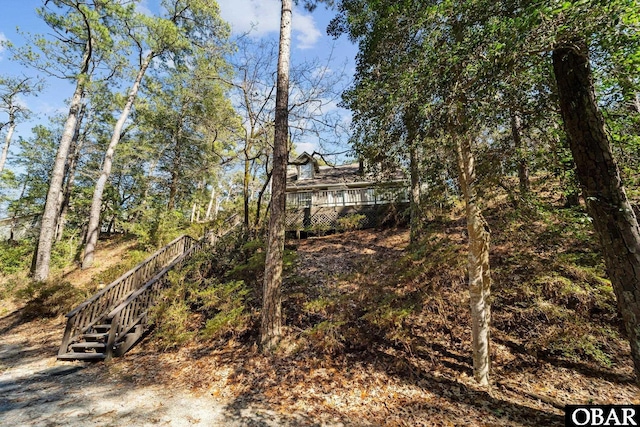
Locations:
column 306, row 171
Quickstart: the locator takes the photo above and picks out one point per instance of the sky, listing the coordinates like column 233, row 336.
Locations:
column 261, row 18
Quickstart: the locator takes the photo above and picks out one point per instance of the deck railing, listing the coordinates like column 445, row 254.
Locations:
column 347, row 197
column 93, row 310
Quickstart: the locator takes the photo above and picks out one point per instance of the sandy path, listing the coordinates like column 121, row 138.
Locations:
column 37, row 390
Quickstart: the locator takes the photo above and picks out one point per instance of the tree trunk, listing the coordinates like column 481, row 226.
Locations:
column 478, row 256
column 271, row 327
column 613, row 218
column 521, row 155
column 93, row 230
column 257, row 223
column 7, row 140
column 42, row 255
column 212, row 198
column 415, row 191
column 72, row 162
column 245, row 185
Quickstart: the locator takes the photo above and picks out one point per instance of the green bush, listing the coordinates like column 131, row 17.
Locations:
column 351, row 222
column 157, row 228
column 15, row 256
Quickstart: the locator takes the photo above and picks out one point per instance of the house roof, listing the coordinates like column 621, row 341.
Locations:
column 305, row 158
column 343, row 176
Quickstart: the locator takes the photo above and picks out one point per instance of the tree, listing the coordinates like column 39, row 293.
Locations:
column 605, row 196
column 10, row 91
column 401, row 49
column 83, row 41
column 271, row 327
column 161, row 36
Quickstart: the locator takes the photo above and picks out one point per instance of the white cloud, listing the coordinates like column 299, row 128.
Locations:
column 262, row 17
column 305, row 31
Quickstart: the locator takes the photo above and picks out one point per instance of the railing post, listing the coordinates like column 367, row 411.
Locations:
column 113, row 331
column 67, row 335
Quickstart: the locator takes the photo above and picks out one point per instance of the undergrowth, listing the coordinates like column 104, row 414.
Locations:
column 217, row 295
column 551, row 298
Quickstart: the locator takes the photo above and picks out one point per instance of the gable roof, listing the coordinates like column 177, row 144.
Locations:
column 305, row 158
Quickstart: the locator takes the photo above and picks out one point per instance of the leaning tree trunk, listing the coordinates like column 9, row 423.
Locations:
column 271, row 327
column 613, row 218
column 478, row 256
column 93, row 229
column 7, row 139
column 258, row 222
column 70, row 173
column 42, row 254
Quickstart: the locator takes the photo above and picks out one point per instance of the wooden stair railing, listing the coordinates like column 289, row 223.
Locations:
column 129, row 320
column 83, row 318
column 123, row 321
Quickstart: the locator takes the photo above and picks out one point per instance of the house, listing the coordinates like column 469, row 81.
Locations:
column 318, row 197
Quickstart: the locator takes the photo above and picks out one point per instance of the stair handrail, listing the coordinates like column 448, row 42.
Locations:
column 130, row 312
column 93, row 309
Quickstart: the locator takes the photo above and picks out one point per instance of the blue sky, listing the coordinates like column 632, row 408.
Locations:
column 261, row 16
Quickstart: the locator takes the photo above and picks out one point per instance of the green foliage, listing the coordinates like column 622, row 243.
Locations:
column 229, row 303
column 204, row 303
column 351, row 222
column 326, row 337
column 158, row 228
column 64, row 252
column 15, row 256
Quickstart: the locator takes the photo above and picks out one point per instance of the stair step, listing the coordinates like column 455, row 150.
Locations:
column 81, row 356
column 101, row 328
column 102, row 336
column 91, row 345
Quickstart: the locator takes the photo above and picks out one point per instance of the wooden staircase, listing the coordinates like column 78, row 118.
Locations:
column 112, row 321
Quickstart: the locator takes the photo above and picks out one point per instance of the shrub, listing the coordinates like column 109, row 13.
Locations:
column 351, row 222
column 15, row 256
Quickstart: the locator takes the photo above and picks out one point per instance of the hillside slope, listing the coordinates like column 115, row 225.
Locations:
column 378, row 333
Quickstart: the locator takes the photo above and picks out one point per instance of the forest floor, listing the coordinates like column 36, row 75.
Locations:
column 390, row 346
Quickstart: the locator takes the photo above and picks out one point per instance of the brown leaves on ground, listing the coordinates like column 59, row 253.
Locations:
column 378, row 334
column 413, row 364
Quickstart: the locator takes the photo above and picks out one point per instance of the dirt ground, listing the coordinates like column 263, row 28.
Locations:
column 231, row 384
column 37, row 390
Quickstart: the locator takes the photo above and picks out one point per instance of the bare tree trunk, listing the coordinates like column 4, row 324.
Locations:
column 415, row 191
column 212, row 198
column 7, row 140
column 521, row 156
column 72, row 162
column 613, row 218
column 271, row 327
column 245, row 185
column 42, row 255
column 260, row 196
column 478, row 257
column 93, row 230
